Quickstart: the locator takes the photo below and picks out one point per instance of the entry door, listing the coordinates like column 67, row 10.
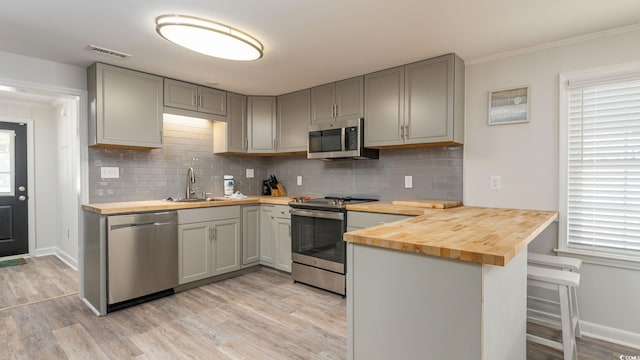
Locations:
column 14, row 232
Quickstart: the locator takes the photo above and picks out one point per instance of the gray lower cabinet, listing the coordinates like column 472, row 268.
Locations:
column 267, row 242
column 186, row 96
column 250, row 235
column 275, row 237
column 283, row 244
column 125, row 107
column 230, row 136
column 294, row 115
column 419, row 103
column 209, row 242
column 261, row 124
column 337, row 101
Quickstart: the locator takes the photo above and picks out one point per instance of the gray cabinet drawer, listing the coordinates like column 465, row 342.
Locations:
column 189, row 216
column 357, row 219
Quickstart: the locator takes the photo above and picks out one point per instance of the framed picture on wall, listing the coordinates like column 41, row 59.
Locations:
column 509, row 106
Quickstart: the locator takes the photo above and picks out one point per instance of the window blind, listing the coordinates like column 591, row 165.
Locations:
column 603, row 209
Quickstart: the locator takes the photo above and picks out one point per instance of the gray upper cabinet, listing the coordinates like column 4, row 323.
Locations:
column 384, row 107
column 261, row 124
column 125, row 107
column 424, row 105
column 179, row 95
column 337, row 101
column 231, row 135
column 294, row 114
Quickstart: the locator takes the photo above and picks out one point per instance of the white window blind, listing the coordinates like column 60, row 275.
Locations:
column 603, row 204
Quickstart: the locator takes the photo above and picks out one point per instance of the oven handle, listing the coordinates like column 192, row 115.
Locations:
column 317, row 214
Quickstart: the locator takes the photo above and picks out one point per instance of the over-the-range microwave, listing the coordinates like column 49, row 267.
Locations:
column 343, row 139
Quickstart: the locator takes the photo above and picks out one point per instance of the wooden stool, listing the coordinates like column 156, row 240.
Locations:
column 560, row 281
column 567, row 264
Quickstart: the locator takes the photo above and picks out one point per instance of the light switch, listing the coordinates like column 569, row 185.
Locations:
column 109, row 172
column 299, row 180
column 408, row 182
column 249, row 173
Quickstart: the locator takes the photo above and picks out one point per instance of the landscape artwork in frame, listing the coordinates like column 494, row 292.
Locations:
column 509, row 106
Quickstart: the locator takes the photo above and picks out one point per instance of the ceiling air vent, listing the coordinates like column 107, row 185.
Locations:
column 109, row 52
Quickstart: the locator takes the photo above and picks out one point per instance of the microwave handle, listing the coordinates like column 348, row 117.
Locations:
column 343, row 139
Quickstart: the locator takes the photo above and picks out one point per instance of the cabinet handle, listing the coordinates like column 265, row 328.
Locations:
column 406, row 131
column 194, row 100
column 246, row 143
column 402, row 131
column 199, row 100
column 213, row 233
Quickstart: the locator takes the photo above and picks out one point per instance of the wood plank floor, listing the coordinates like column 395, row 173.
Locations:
column 41, row 278
column 261, row 315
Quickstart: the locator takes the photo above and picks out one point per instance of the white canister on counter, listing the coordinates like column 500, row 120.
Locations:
column 228, row 185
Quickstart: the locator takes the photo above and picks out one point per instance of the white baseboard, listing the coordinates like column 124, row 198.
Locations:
column 67, row 259
column 46, row 251
column 63, row 256
column 612, row 335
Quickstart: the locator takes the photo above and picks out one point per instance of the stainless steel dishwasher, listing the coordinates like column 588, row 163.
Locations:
column 142, row 256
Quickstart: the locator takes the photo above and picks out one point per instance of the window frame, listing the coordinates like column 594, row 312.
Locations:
column 608, row 257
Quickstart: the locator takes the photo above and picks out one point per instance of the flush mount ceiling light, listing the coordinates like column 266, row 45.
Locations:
column 209, row 37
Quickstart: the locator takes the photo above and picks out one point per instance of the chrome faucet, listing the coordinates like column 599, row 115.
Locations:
column 191, row 179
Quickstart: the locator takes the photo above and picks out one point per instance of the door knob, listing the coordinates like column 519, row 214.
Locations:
column 22, row 198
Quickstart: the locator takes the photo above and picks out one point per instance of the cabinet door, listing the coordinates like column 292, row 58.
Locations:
column 128, row 108
column 322, row 103
column 180, row 94
column 194, row 242
column 349, row 98
column 225, row 249
column 283, row 244
column 267, row 233
column 384, row 107
column 261, row 124
column 429, row 101
column 212, row 101
column 294, row 116
column 250, row 235
column 231, row 136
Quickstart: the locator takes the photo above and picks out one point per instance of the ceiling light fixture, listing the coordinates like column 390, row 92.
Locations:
column 209, row 37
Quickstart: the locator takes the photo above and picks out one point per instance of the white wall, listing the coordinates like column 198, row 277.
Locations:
column 37, row 76
column 526, row 157
column 43, row 72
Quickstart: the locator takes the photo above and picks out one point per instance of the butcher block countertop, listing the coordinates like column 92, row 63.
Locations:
column 162, row 205
column 475, row 234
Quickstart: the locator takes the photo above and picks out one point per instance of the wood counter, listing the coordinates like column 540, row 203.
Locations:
column 161, row 205
column 475, row 234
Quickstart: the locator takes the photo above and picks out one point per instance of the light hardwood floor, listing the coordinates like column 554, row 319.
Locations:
column 261, row 315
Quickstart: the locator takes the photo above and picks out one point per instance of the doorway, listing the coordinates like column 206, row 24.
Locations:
column 14, row 214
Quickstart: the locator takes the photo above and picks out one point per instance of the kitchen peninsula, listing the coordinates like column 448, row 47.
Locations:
column 446, row 284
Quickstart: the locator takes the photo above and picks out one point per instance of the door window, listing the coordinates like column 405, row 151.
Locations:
column 7, row 162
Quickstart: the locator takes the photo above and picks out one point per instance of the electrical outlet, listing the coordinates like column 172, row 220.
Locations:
column 495, row 183
column 250, row 174
column 109, row 172
column 299, row 180
column 408, row 182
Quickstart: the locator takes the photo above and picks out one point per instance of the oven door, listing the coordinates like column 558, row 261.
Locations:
column 316, row 238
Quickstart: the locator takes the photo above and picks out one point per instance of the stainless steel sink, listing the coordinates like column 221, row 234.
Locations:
column 194, row 200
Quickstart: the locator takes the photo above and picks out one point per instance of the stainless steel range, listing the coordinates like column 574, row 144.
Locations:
column 318, row 250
